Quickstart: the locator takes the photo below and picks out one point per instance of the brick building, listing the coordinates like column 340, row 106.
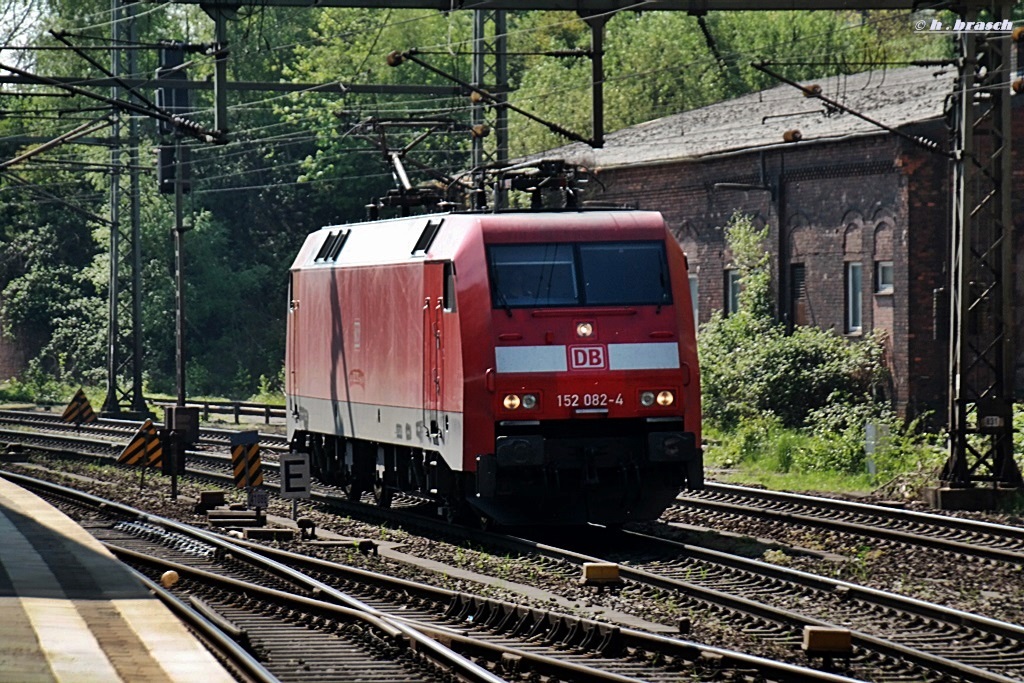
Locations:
column 12, row 358
column 858, row 216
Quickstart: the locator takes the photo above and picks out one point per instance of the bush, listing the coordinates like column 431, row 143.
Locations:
column 750, row 369
column 751, row 366
column 271, row 389
column 795, row 403
column 16, row 391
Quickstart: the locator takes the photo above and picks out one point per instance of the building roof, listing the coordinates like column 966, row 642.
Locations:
column 894, row 97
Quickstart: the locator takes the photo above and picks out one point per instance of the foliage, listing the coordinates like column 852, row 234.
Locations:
column 352, row 46
column 50, row 302
column 55, row 264
column 1018, row 435
column 271, row 390
column 39, row 386
column 223, row 294
column 753, row 261
column 15, row 390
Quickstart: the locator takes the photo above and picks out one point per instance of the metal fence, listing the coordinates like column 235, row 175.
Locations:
column 235, row 408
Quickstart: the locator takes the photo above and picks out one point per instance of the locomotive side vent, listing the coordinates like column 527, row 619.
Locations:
column 430, row 231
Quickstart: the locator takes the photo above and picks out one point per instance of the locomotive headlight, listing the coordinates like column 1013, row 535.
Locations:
column 584, row 329
column 529, row 401
column 666, row 398
column 512, row 402
column 647, row 399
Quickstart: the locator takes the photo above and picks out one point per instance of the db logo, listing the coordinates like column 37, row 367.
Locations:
column 587, row 358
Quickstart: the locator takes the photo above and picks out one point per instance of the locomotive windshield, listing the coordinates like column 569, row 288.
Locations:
column 579, row 274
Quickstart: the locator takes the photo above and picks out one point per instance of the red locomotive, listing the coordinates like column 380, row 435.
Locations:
column 524, row 368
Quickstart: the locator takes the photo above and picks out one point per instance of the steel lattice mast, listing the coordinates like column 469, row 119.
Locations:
column 490, row 73
column 124, row 315
column 982, row 358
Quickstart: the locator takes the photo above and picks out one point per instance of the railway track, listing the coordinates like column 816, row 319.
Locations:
column 308, row 619
column 895, row 637
column 970, row 538
column 880, row 622
column 999, row 542
column 14, row 421
column 279, row 616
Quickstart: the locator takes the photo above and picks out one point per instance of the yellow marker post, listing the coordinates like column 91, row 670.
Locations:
column 79, row 410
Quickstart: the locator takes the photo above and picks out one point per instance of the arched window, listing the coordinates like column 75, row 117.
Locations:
column 883, row 276
column 853, row 280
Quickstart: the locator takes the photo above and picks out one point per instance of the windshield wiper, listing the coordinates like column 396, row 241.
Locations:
column 664, row 289
column 502, row 301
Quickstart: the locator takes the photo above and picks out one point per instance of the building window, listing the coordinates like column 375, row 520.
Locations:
column 732, row 291
column 883, row 277
column 695, row 299
column 853, row 297
column 798, row 295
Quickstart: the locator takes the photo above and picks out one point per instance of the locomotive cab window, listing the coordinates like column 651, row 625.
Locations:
column 590, row 274
column 449, row 286
column 533, row 275
column 622, row 274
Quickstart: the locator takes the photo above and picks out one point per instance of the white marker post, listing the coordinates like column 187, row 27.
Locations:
column 295, row 479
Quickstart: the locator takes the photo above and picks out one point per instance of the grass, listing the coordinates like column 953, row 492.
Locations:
column 833, row 482
column 767, row 455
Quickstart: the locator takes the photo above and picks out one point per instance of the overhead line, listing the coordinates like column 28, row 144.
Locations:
column 192, row 129
column 35, row 188
column 929, row 145
column 267, row 86
column 80, row 131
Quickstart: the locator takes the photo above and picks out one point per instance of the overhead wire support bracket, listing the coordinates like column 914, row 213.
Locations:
column 61, row 36
column 190, row 128
column 84, row 129
column 396, row 58
column 815, row 93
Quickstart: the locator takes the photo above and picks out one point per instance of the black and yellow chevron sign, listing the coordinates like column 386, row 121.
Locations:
column 245, row 459
column 144, row 448
column 79, row 410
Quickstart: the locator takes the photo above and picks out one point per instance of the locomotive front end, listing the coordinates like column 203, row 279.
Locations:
column 595, row 385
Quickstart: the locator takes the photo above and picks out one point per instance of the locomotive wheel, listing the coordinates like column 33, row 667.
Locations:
column 452, row 513
column 382, row 494
column 353, row 491
column 456, row 511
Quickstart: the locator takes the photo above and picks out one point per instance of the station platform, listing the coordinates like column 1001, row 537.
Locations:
column 71, row 612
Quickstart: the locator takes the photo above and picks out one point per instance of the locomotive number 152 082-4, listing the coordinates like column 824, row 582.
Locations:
column 588, row 400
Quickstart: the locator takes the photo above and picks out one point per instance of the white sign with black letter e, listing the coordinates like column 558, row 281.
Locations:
column 295, row 475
